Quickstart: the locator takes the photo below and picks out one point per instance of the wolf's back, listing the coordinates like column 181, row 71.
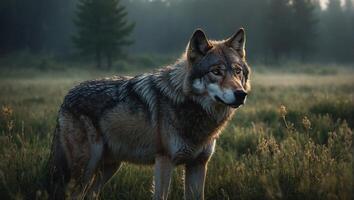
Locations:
column 92, row 98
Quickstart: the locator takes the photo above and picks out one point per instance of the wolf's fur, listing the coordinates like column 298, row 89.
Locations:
column 169, row 117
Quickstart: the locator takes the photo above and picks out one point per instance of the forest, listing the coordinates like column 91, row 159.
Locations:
column 278, row 30
column 293, row 138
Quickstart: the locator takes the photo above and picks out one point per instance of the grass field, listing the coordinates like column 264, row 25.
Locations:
column 292, row 140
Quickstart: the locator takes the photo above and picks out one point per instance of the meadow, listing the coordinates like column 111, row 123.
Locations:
column 292, row 140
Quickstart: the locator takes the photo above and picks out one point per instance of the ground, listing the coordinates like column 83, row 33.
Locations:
column 292, row 139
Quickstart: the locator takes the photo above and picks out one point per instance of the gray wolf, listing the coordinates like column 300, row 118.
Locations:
column 170, row 117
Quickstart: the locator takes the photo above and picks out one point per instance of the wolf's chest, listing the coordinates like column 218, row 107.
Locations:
column 182, row 152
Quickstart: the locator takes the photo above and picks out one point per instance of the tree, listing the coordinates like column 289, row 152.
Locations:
column 22, row 25
column 278, row 32
column 102, row 29
column 335, row 37
column 349, row 12
column 304, row 27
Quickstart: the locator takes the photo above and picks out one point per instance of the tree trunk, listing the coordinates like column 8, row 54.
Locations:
column 109, row 61
column 98, row 59
column 303, row 56
column 275, row 56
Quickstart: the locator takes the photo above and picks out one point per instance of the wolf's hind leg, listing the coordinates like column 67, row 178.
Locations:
column 103, row 174
column 95, row 143
column 91, row 151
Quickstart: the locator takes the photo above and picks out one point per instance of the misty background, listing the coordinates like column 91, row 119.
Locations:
column 291, row 140
column 277, row 30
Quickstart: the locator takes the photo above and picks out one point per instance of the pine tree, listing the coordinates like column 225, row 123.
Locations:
column 304, row 27
column 349, row 12
column 278, row 31
column 102, row 29
column 335, row 32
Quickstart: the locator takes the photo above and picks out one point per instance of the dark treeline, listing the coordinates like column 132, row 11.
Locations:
column 276, row 29
column 36, row 25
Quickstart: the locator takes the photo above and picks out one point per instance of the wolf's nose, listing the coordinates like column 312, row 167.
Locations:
column 240, row 95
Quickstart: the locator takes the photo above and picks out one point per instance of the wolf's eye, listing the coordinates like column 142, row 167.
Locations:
column 238, row 70
column 216, row 72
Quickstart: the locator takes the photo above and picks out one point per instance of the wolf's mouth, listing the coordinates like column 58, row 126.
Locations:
column 234, row 105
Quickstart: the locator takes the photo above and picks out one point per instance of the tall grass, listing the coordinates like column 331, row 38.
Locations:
column 290, row 141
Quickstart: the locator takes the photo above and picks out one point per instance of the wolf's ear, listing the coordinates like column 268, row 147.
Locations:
column 238, row 41
column 198, row 46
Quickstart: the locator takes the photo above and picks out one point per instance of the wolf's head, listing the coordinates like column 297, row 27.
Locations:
column 218, row 69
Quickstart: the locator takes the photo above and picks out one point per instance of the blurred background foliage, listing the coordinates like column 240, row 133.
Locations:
column 277, row 30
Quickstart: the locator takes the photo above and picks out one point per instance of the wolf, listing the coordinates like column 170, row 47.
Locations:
column 172, row 116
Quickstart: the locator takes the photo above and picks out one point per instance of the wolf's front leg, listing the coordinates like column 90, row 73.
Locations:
column 194, row 180
column 162, row 177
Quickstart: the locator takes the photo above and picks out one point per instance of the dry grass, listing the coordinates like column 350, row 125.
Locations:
column 303, row 153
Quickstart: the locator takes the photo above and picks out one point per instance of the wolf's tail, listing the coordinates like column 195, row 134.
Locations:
column 58, row 171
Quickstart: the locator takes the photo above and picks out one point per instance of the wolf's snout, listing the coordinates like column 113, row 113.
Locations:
column 240, row 97
column 239, row 94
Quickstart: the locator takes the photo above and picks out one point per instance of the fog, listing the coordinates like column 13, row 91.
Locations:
column 276, row 29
